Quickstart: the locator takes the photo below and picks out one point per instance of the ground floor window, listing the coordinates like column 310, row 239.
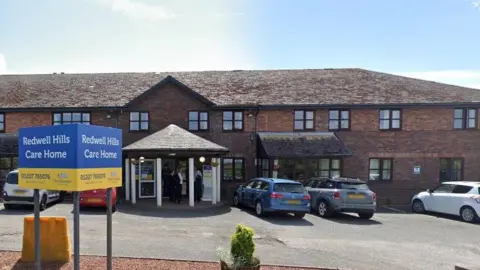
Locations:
column 233, row 169
column 303, row 169
column 451, row 169
column 380, row 169
column 265, row 167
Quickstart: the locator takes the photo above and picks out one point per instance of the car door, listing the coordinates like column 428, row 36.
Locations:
column 457, row 198
column 247, row 193
column 255, row 191
column 440, row 198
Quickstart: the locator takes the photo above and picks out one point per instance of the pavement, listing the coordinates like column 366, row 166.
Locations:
column 391, row 240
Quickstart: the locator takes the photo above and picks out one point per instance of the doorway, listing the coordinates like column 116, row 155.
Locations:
column 145, row 174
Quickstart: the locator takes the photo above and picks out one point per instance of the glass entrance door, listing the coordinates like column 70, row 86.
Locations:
column 145, row 175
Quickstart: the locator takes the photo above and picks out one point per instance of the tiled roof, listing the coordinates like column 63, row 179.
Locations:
column 174, row 138
column 263, row 87
column 301, row 144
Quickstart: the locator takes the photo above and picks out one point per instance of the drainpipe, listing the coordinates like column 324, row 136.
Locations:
column 254, row 141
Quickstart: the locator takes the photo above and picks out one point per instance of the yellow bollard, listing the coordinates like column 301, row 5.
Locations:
column 54, row 240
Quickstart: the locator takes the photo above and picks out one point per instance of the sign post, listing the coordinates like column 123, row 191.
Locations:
column 75, row 158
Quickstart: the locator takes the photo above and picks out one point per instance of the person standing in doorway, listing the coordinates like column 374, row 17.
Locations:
column 178, row 181
column 168, row 182
column 198, row 186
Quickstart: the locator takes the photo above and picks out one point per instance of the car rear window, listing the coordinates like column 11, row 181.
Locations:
column 289, row 188
column 356, row 186
column 12, row 178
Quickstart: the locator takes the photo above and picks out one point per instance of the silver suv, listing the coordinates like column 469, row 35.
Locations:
column 341, row 194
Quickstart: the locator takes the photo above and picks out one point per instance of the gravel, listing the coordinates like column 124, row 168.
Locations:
column 10, row 260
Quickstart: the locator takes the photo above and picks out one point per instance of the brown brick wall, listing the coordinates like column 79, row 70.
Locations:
column 16, row 120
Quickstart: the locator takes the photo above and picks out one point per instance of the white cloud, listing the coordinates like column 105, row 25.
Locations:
column 476, row 4
column 138, row 10
column 467, row 78
column 3, row 64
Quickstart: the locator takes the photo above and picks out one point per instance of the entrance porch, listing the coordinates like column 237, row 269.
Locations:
column 149, row 159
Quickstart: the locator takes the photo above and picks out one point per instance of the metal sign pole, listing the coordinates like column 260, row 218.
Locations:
column 36, row 224
column 109, row 228
column 76, row 230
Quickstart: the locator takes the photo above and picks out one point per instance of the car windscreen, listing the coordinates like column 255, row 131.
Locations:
column 12, row 178
column 288, row 188
column 355, row 186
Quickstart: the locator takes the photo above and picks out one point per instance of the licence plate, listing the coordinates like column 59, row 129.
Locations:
column 94, row 200
column 293, row 202
column 356, row 196
column 19, row 191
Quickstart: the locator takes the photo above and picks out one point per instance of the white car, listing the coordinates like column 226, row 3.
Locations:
column 452, row 198
column 14, row 195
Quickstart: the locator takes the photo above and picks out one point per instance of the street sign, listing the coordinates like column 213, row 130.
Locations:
column 416, row 169
column 73, row 157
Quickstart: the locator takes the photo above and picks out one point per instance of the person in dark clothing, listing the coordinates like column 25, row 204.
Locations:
column 168, row 182
column 198, row 186
column 177, row 183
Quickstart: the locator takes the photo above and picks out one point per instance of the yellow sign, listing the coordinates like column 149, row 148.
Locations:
column 70, row 179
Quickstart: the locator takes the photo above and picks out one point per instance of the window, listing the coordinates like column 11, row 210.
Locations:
column 303, row 120
column 289, row 188
column 462, row 189
column 311, row 183
column 139, row 121
column 264, row 186
column 198, row 121
column 465, row 118
column 265, row 167
column 380, row 169
column 250, row 184
column 233, row 169
column 451, row 169
column 444, row 188
column 390, row 119
column 339, row 120
column 328, row 167
column 71, row 118
column 232, row 121
column 257, row 184
column 2, row 122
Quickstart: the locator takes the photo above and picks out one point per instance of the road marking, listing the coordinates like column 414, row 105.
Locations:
column 394, row 209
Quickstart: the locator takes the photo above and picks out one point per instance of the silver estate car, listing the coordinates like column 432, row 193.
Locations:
column 341, row 194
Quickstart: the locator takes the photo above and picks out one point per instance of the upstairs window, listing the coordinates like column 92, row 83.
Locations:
column 139, row 121
column 465, row 119
column 303, row 120
column 71, row 118
column 390, row 119
column 197, row 121
column 232, row 121
column 2, row 122
column 339, row 120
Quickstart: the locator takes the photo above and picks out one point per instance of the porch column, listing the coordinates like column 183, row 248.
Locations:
column 219, row 179
column 132, row 183
column 191, row 179
column 158, row 178
column 214, row 182
column 127, row 179
column 274, row 171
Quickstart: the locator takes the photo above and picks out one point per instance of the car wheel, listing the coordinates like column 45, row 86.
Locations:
column 43, row 203
column 418, row 207
column 259, row 209
column 236, row 200
column 468, row 214
column 323, row 209
column 299, row 215
column 365, row 215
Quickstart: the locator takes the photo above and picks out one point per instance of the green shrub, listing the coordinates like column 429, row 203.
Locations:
column 242, row 246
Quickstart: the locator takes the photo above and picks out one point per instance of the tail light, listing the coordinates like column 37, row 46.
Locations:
column 374, row 196
column 307, row 197
column 276, row 196
column 336, row 195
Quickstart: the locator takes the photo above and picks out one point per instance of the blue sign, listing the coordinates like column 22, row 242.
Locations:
column 71, row 157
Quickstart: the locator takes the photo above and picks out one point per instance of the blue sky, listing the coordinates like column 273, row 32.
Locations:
column 431, row 39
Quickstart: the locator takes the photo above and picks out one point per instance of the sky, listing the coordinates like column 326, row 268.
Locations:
column 430, row 39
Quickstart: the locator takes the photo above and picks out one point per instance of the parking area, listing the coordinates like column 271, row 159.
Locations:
column 391, row 240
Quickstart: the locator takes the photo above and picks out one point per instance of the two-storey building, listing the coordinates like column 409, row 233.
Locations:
column 400, row 134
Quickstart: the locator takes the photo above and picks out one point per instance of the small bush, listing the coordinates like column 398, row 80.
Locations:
column 242, row 246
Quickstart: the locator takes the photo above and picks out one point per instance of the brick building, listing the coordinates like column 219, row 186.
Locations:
column 400, row 134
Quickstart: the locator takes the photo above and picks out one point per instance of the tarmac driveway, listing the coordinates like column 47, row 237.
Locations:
column 388, row 241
